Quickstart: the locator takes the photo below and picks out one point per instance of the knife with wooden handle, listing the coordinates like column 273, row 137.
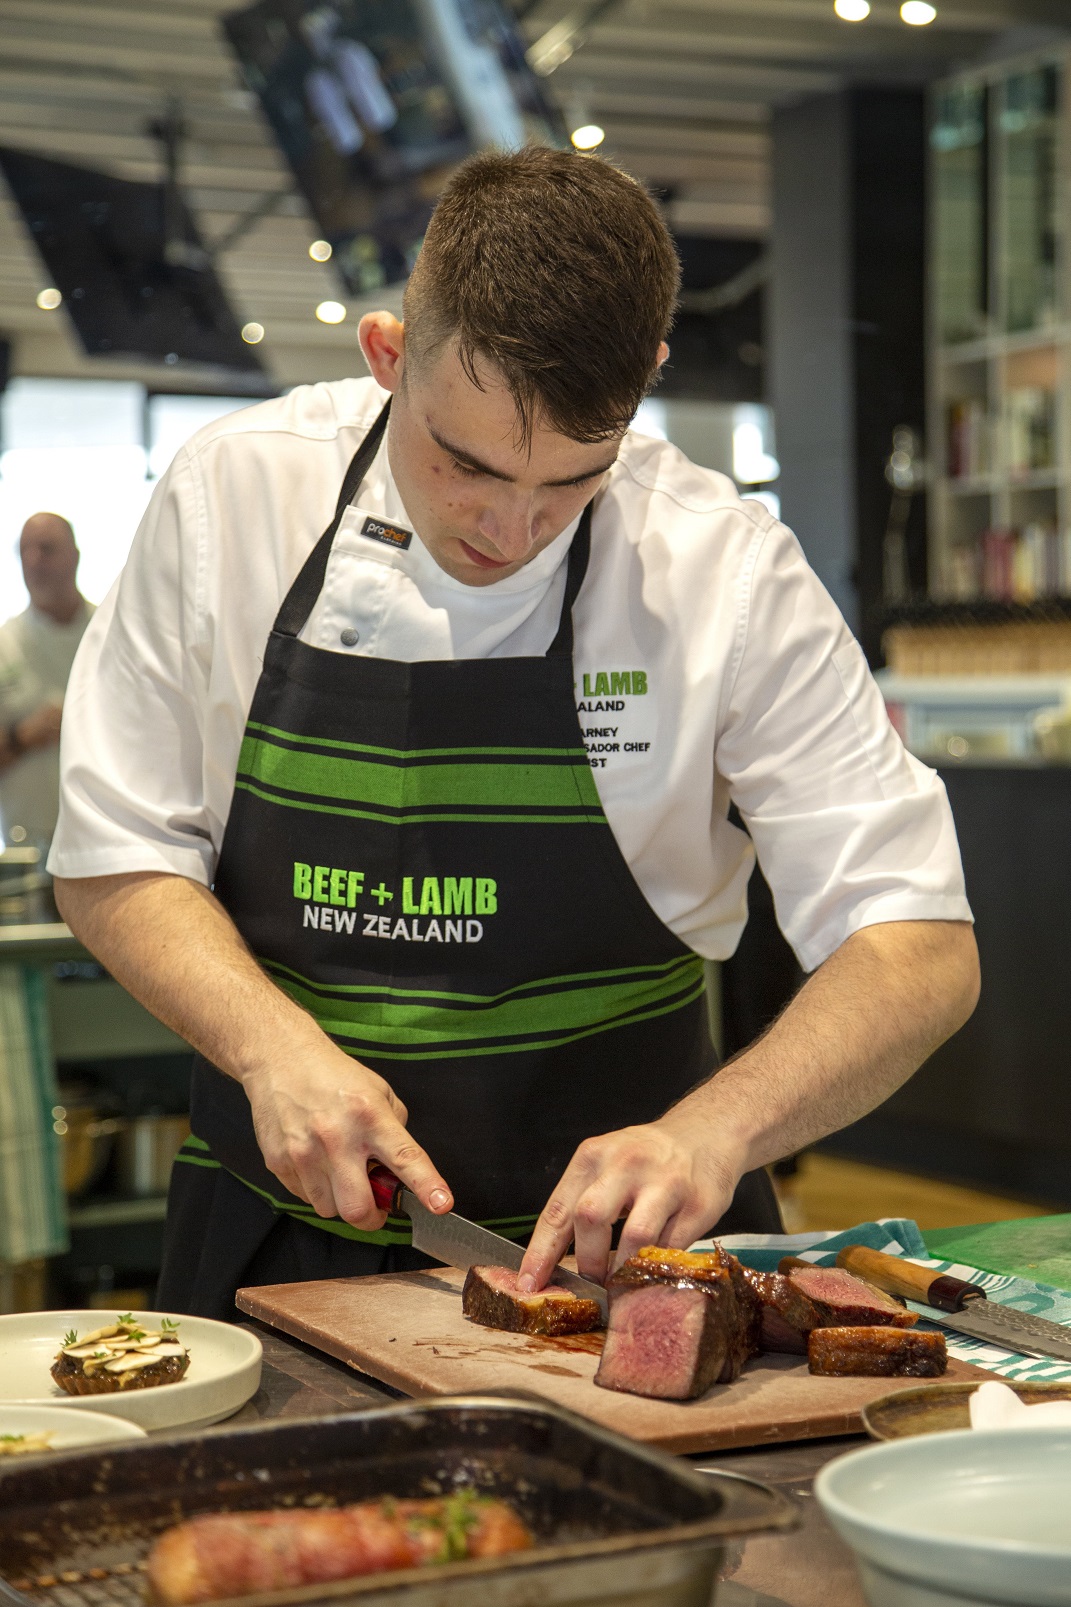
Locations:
column 898, row 1277
column 962, row 1306
column 457, row 1242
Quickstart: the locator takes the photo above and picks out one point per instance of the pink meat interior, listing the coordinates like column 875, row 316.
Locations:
column 837, row 1288
column 504, row 1282
column 653, row 1343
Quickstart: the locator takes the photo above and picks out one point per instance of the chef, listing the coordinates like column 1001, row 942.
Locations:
column 397, row 768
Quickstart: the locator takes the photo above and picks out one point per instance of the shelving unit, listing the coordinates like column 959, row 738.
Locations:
column 1000, row 334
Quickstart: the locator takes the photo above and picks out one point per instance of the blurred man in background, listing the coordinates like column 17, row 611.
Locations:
column 37, row 650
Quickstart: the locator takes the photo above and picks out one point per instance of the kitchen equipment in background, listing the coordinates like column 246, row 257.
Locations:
column 25, row 887
column 615, row 1522
column 973, row 717
column 146, row 1147
column 957, row 1520
column 86, row 1126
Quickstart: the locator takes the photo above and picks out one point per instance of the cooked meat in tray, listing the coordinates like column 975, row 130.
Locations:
column 76, row 1529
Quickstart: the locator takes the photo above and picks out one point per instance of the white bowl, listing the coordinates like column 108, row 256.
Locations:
column 958, row 1520
column 224, row 1370
column 68, row 1428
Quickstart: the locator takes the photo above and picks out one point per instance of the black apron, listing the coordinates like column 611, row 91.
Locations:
column 417, row 854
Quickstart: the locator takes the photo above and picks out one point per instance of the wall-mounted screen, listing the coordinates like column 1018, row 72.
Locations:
column 373, row 103
column 134, row 275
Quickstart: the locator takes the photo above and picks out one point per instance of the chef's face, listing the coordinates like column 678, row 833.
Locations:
column 483, row 501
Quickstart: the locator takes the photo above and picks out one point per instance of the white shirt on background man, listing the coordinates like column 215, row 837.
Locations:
column 37, row 649
column 711, row 666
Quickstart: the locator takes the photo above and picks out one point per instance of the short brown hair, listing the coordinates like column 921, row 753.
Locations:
column 556, row 268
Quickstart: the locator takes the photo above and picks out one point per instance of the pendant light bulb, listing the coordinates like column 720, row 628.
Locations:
column 587, row 136
column 852, row 10
column 918, row 13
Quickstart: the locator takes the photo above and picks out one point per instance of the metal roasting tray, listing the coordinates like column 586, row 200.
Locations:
column 615, row 1522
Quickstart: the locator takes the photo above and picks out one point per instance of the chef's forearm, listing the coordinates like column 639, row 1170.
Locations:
column 857, row 1029
column 172, row 945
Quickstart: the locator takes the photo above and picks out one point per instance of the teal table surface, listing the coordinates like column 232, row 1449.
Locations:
column 1034, row 1247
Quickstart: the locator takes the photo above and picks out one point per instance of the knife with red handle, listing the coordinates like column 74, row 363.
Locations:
column 457, row 1242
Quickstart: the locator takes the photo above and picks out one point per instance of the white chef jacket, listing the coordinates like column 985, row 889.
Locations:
column 36, row 654
column 710, row 663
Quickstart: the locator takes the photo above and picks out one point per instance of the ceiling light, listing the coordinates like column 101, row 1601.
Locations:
column 587, row 137
column 320, row 251
column 852, row 10
column 253, row 334
column 330, row 312
column 48, row 300
column 917, row 12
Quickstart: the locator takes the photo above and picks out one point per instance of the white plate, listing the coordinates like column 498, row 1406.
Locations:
column 224, row 1369
column 68, row 1428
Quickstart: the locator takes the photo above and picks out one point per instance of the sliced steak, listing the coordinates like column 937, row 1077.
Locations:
column 787, row 1314
column 491, row 1297
column 846, row 1301
column 680, row 1321
column 872, row 1352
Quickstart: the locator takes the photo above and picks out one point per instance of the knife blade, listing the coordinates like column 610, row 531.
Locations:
column 961, row 1306
column 457, row 1242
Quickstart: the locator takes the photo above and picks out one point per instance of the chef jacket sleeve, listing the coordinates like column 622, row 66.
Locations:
column 849, row 828
column 131, row 752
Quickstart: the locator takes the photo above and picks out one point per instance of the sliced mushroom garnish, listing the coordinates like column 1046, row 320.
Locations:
column 148, row 1339
column 101, row 1333
column 165, row 1352
column 130, row 1363
column 82, row 1350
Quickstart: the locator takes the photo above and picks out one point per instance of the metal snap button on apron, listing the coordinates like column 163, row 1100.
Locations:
column 348, row 637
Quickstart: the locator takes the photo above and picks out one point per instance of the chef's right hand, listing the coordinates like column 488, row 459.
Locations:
column 321, row 1119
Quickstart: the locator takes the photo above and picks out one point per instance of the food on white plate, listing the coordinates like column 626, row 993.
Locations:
column 872, row 1352
column 844, row 1300
column 129, row 1353
column 24, row 1444
column 491, row 1297
column 680, row 1321
column 221, row 1556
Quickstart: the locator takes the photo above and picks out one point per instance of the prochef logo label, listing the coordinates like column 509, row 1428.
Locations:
column 425, row 909
column 391, row 535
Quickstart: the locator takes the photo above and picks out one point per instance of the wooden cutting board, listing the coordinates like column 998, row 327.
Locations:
column 407, row 1330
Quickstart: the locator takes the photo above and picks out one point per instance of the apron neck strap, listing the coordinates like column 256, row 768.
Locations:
column 301, row 598
column 579, row 553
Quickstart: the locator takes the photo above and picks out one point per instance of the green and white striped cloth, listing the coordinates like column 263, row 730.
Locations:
column 900, row 1236
column 32, row 1213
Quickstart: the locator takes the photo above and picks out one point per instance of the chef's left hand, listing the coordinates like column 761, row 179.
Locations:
column 668, row 1181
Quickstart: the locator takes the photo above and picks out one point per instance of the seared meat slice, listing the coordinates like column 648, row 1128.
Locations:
column 787, row 1314
column 222, row 1555
column 872, row 1352
column 490, row 1297
column 680, row 1321
column 844, row 1300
